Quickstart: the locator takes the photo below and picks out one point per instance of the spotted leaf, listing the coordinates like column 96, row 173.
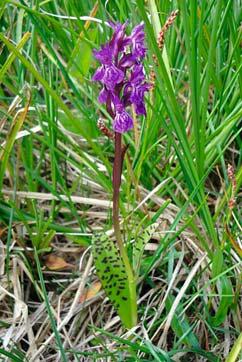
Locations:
column 114, row 278
column 139, row 246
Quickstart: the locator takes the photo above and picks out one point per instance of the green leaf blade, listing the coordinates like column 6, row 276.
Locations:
column 139, row 245
column 113, row 276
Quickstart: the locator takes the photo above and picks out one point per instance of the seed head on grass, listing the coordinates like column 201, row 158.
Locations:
column 168, row 23
column 232, row 179
column 161, row 41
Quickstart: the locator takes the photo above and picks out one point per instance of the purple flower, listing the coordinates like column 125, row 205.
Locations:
column 109, row 75
column 135, row 89
column 137, row 38
column 127, row 61
column 104, row 55
column 122, row 121
column 119, row 38
column 122, row 75
column 137, row 75
column 137, row 98
column 103, row 96
column 99, row 74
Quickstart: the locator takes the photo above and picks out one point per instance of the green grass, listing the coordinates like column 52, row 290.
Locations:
column 55, row 182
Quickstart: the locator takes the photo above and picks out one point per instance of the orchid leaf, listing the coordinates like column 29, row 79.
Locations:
column 139, row 245
column 113, row 276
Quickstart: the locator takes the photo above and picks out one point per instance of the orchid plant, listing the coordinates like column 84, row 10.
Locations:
column 122, row 76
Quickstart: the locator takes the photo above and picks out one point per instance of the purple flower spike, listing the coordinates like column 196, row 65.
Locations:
column 122, row 75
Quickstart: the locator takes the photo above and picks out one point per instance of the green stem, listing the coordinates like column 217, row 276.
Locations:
column 236, row 350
